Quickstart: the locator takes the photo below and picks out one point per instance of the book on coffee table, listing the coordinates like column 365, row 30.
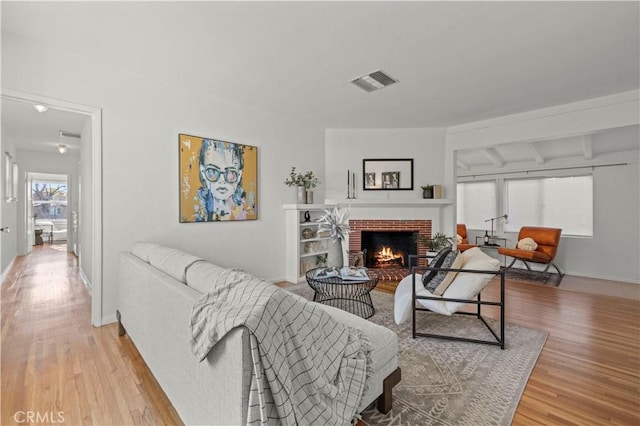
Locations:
column 351, row 273
column 326, row 272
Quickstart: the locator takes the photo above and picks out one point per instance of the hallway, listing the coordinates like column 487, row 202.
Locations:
column 57, row 367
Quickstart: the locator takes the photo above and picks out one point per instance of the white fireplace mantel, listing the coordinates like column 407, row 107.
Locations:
column 429, row 203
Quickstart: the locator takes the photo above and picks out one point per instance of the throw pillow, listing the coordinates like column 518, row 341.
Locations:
column 527, row 244
column 435, row 263
column 449, row 277
column 440, row 276
column 458, row 239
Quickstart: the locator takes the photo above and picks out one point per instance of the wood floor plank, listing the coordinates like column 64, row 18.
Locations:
column 53, row 360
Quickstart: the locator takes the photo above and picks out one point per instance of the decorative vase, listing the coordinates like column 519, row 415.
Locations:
column 301, row 195
column 427, row 193
column 340, row 255
column 309, row 196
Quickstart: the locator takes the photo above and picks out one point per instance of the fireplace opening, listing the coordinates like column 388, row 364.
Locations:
column 389, row 249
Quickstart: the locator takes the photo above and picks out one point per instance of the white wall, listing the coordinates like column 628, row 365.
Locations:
column 346, row 148
column 141, row 121
column 614, row 251
column 9, row 210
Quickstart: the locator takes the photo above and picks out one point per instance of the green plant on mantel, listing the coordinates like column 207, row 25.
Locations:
column 426, row 187
column 307, row 179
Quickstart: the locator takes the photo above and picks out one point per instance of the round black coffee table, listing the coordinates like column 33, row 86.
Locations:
column 348, row 295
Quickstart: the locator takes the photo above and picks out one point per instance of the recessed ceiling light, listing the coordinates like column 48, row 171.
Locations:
column 40, row 108
column 62, row 148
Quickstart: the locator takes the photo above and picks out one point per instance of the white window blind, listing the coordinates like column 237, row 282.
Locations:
column 564, row 202
column 476, row 203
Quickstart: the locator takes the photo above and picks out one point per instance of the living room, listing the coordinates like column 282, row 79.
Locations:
column 522, row 87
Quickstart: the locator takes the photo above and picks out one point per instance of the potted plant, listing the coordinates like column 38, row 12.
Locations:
column 427, row 191
column 436, row 243
column 335, row 224
column 303, row 183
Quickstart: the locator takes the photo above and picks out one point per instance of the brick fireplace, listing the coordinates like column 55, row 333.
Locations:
column 420, row 226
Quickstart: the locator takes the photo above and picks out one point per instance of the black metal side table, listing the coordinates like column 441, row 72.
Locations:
column 351, row 296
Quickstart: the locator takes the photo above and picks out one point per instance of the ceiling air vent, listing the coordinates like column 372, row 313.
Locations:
column 374, row 81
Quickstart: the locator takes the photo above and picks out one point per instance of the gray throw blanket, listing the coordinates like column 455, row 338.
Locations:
column 308, row 369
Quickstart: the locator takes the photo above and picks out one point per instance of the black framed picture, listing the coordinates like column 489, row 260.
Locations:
column 387, row 174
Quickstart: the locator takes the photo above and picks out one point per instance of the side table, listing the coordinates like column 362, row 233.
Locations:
column 492, row 246
column 351, row 296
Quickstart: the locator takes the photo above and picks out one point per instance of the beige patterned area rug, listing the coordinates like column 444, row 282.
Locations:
column 453, row 383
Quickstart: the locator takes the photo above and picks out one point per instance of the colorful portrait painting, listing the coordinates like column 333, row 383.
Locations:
column 218, row 180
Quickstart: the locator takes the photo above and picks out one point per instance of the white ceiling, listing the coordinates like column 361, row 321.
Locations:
column 457, row 62
column 37, row 131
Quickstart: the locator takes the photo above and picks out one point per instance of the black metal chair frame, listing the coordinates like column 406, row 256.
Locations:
column 499, row 340
column 544, row 271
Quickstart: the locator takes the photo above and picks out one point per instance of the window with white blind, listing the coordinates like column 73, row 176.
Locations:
column 562, row 202
column 476, row 203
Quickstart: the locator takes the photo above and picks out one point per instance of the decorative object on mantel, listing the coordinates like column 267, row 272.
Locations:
column 303, row 183
column 351, row 185
column 437, row 191
column 387, row 174
column 427, row 191
column 335, row 224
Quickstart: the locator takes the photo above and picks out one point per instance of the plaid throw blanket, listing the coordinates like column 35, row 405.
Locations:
column 308, row 369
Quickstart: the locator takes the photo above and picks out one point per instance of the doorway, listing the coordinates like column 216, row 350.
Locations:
column 49, row 207
column 90, row 254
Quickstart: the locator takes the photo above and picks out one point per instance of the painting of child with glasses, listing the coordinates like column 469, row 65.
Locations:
column 226, row 176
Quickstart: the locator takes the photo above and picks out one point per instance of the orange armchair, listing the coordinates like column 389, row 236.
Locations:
column 461, row 229
column 547, row 240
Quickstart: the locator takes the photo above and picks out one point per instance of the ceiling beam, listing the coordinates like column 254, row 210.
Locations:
column 587, row 146
column 493, row 156
column 535, row 153
column 463, row 165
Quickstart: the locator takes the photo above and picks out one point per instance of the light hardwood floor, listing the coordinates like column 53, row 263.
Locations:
column 54, row 363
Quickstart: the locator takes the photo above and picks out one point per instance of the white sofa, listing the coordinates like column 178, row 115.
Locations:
column 155, row 298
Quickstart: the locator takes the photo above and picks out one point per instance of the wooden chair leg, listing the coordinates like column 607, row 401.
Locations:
column 385, row 401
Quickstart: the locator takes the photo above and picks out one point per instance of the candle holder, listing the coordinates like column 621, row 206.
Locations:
column 351, row 185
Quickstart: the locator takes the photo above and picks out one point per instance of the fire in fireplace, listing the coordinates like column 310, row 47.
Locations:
column 389, row 249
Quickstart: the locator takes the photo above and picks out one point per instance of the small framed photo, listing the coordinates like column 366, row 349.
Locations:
column 390, row 180
column 370, row 180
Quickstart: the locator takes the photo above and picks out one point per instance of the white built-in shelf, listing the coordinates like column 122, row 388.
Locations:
column 392, row 203
column 313, row 254
column 315, row 239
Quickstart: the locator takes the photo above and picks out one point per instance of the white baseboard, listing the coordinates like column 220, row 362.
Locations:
column 4, row 273
column 85, row 281
column 602, row 277
column 109, row 319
